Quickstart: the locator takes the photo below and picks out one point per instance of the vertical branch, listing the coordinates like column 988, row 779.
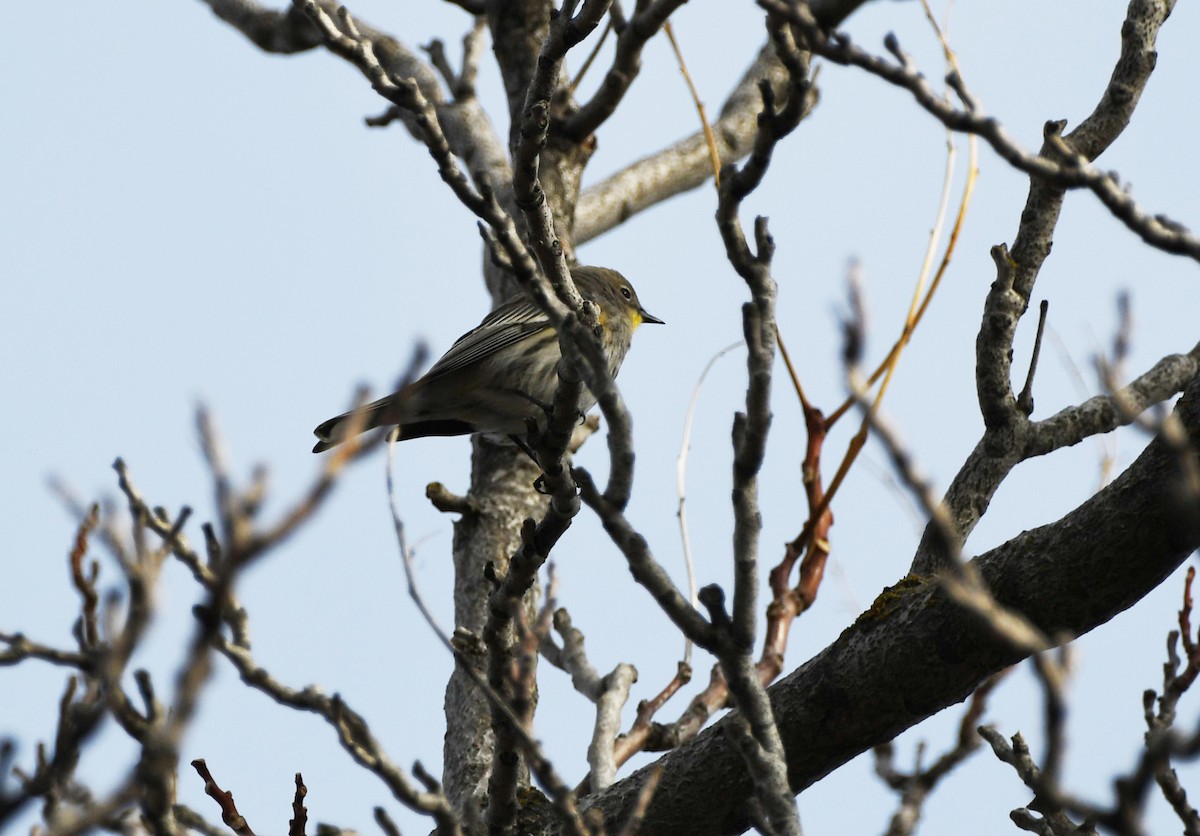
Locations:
column 761, row 746
column 580, row 350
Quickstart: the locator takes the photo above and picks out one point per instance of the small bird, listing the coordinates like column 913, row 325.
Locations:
column 500, row 373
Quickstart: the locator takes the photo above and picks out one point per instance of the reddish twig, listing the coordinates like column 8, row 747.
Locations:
column 643, row 728
column 1178, row 684
column 88, row 635
column 299, row 821
column 787, row 603
column 229, row 812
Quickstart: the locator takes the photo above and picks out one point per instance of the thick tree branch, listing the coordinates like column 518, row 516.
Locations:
column 518, row 30
column 271, row 30
column 1008, row 430
column 475, row 7
column 916, row 651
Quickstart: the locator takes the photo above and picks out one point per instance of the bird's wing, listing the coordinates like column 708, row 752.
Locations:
column 508, row 324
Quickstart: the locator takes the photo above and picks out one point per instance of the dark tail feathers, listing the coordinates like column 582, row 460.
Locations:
column 333, row 432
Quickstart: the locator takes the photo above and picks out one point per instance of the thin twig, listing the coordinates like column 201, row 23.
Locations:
column 705, row 126
column 681, row 461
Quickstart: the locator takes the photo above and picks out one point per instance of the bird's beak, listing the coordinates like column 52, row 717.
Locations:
column 651, row 318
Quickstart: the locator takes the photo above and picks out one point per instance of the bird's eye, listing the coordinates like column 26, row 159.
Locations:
column 626, row 292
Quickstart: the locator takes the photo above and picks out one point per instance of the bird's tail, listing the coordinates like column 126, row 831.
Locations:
column 333, row 432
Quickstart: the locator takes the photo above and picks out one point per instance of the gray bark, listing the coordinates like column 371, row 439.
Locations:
column 915, row 652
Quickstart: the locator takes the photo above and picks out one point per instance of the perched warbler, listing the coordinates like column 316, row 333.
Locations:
column 500, row 373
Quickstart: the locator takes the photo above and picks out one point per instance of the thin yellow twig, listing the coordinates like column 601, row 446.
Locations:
column 711, row 140
column 787, row 361
column 917, row 310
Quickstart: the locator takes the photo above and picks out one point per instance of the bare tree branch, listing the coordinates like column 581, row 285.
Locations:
column 229, row 811
column 915, row 787
column 862, row 684
column 1008, row 432
column 353, row 733
column 1068, row 166
column 680, row 167
column 685, row 165
column 270, row 30
column 645, row 23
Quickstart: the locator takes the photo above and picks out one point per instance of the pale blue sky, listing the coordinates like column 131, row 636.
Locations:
column 183, row 218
